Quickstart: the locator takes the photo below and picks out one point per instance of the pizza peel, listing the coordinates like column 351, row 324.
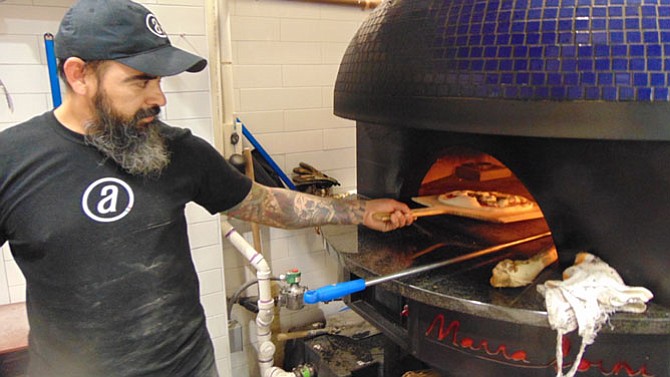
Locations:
column 416, row 212
column 434, row 207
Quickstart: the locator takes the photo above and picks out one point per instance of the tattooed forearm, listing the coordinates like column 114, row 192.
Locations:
column 290, row 209
column 315, row 210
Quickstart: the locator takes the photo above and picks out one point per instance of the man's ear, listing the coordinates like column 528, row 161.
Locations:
column 76, row 75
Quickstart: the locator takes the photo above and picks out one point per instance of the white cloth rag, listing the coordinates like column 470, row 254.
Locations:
column 589, row 293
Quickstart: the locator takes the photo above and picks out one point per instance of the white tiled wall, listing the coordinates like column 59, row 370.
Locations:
column 285, row 59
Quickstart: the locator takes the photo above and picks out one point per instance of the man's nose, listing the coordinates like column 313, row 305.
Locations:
column 156, row 96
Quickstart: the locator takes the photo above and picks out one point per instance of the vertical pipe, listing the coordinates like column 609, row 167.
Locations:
column 221, row 76
column 213, row 43
column 230, row 127
column 249, row 171
column 265, row 316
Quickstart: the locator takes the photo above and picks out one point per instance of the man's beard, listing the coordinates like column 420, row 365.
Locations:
column 139, row 150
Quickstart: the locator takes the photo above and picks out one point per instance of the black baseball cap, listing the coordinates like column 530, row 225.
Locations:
column 123, row 31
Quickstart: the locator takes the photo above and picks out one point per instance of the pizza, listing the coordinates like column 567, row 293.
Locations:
column 486, row 200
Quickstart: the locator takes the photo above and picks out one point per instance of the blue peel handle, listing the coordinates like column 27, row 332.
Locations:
column 334, row 291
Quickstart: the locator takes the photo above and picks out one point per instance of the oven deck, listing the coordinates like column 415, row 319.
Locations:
column 446, row 316
column 465, row 286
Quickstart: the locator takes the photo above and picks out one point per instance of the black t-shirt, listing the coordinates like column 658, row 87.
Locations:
column 111, row 289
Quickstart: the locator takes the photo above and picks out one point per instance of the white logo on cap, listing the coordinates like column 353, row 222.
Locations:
column 154, row 26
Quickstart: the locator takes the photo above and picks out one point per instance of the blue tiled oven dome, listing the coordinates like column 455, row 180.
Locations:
column 572, row 97
column 605, row 63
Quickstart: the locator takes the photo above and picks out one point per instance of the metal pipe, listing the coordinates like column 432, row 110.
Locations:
column 432, row 266
column 339, row 290
column 221, row 75
column 364, row 4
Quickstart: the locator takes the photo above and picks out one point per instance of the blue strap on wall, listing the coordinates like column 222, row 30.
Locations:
column 53, row 71
column 266, row 156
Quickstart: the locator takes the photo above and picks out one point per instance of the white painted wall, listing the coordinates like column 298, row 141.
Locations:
column 285, row 59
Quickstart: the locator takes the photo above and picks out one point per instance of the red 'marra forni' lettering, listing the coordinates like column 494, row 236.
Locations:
column 616, row 370
column 442, row 331
column 451, row 334
column 469, row 343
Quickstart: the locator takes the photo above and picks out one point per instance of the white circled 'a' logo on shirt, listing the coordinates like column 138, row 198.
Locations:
column 107, row 200
column 154, row 26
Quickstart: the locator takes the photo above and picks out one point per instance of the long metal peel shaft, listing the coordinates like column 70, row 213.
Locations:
column 458, row 259
column 338, row 290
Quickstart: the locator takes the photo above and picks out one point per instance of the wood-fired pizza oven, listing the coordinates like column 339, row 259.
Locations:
column 568, row 96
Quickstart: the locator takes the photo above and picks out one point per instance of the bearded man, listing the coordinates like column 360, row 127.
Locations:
column 92, row 198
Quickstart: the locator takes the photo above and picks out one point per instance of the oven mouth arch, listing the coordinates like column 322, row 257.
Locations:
column 608, row 197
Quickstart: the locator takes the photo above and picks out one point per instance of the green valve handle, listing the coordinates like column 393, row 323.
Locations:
column 293, row 276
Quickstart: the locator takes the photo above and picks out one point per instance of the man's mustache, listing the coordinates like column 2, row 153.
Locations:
column 145, row 113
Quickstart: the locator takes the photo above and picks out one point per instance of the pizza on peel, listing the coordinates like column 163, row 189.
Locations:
column 486, row 200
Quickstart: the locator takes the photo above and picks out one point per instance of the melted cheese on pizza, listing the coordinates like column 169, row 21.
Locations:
column 491, row 200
